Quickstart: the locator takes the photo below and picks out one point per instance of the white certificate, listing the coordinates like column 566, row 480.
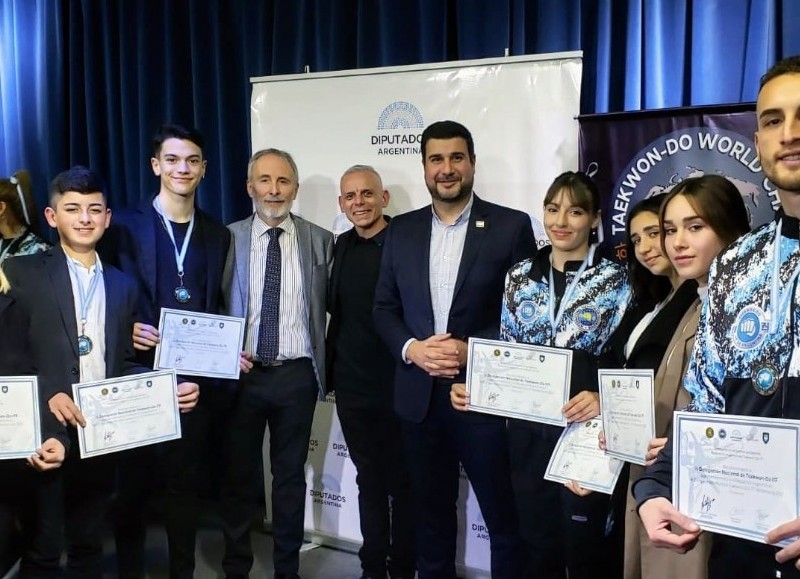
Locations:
column 20, row 426
column 578, row 457
column 127, row 412
column 195, row 344
column 736, row 475
column 518, row 380
column 626, row 404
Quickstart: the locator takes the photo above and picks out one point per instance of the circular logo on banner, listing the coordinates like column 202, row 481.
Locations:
column 586, row 317
column 527, row 310
column 749, row 328
column 686, row 153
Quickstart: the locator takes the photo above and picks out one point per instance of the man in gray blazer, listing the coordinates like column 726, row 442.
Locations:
column 277, row 278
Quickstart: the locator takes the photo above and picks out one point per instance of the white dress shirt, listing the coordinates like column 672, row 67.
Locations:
column 93, row 364
column 294, row 337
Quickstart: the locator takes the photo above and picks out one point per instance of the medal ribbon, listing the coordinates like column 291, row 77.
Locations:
column 85, row 295
column 779, row 300
column 555, row 318
column 180, row 256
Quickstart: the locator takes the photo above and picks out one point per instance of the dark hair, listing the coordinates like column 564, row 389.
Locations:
column 448, row 130
column 648, row 288
column 582, row 190
column 717, row 201
column 78, row 179
column 10, row 195
column 789, row 65
column 170, row 131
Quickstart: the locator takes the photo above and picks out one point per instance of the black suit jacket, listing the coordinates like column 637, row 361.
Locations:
column 14, row 324
column 41, row 285
column 652, row 343
column 497, row 238
column 130, row 245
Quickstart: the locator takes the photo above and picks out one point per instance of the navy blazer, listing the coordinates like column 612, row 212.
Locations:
column 497, row 238
column 130, row 245
column 41, row 285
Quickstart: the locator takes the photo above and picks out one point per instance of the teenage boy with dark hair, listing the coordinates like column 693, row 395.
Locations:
column 80, row 312
column 176, row 254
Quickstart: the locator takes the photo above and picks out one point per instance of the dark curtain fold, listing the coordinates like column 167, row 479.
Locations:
column 88, row 81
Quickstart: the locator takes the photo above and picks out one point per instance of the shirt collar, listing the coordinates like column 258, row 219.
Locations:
column 260, row 228
column 98, row 265
column 378, row 238
column 790, row 226
column 463, row 216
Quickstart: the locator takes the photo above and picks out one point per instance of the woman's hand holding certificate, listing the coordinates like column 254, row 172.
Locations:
column 518, row 380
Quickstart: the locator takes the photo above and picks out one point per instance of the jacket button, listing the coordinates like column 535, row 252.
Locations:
column 74, row 371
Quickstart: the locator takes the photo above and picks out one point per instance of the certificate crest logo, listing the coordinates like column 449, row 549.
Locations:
column 496, row 352
column 194, row 322
column 149, row 383
column 185, row 320
column 586, row 317
column 722, row 433
column 114, row 390
column 542, row 357
column 506, row 353
column 399, row 130
column 5, row 389
column 588, row 424
column 709, row 432
column 765, row 437
column 749, row 328
column 104, row 391
column 221, row 325
column 527, row 310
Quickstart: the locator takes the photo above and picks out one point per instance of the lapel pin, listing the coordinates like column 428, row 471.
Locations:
column 480, row 224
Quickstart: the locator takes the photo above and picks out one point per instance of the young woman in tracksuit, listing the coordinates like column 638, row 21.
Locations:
column 568, row 296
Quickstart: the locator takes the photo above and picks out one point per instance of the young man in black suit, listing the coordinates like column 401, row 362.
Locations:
column 176, row 254
column 80, row 312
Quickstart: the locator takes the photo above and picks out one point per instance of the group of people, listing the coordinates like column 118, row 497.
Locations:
column 404, row 296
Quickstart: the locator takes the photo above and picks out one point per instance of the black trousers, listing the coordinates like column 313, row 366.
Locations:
column 562, row 532
column 434, row 449
column 281, row 398
column 141, row 473
column 374, row 442
column 31, row 519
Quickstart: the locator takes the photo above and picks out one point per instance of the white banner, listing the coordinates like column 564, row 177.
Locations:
column 522, row 113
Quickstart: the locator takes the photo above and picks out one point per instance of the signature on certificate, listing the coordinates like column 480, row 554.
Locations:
column 492, row 399
column 705, row 505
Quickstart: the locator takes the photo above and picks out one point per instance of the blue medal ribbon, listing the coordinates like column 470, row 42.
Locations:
column 180, row 256
column 555, row 318
column 85, row 295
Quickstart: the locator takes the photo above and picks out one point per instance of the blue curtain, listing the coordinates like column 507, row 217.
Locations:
column 87, row 81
